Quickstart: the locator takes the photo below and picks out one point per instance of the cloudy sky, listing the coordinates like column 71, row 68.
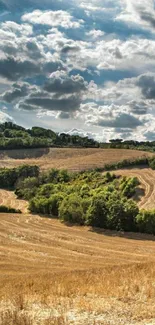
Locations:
column 79, row 66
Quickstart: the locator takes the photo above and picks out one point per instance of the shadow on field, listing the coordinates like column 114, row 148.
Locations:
column 24, row 153
column 122, row 234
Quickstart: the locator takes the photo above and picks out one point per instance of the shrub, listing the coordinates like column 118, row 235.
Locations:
column 71, row 210
column 8, row 209
column 152, row 163
column 97, row 212
column 54, row 203
column 121, row 213
column 146, row 221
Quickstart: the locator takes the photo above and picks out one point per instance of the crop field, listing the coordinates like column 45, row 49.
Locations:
column 146, row 176
column 54, row 274
column 72, row 159
column 9, row 199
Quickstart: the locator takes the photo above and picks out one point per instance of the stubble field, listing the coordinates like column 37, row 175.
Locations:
column 51, row 273
column 67, row 158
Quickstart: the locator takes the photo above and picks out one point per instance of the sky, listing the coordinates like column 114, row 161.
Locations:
column 79, row 67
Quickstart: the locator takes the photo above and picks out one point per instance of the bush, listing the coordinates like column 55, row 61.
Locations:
column 97, row 212
column 152, row 163
column 54, row 203
column 146, row 222
column 128, row 186
column 71, row 210
column 5, row 209
column 121, row 213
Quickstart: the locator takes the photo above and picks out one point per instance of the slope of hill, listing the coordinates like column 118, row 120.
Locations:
column 54, row 274
column 146, row 177
column 72, row 159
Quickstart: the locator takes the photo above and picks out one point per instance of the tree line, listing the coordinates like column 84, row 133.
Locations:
column 13, row 136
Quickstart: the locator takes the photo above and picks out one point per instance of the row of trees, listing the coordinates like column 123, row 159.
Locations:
column 13, row 136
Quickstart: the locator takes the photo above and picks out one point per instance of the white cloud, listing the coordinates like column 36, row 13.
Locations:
column 52, row 18
column 5, row 118
column 139, row 12
column 95, row 33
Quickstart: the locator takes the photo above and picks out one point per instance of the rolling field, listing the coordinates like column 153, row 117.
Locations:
column 146, row 177
column 72, row 159
column 9, row 199
column 53, row 274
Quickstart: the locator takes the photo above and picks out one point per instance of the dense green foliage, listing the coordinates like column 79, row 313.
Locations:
column 9, row 177
column 13, row 136
column 146, row 221
column 87, row 198
column 5, row 209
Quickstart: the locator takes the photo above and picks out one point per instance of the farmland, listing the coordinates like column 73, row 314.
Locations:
column 52, row 273
column 56, row 274
column 146, row 177
column 72, row 159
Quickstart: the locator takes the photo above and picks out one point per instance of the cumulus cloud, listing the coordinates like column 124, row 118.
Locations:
column 13, row 27
column 82, row 133
column 140, row 12
column 147, row 84
column 95, row 33
column 17, row 91
column 52, row 18
column 59, row 82
column 71, row 103
column 15, row 69
column 4, row 117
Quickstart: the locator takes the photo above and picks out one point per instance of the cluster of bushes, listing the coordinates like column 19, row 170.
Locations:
column 5, row 209
column 9, row 177
column 87, row 198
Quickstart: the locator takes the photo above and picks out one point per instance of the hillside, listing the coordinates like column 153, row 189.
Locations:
column 68, row 158
column 54, row 274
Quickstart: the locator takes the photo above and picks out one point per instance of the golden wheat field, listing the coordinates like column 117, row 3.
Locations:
column 51, row 273
column 54, row 274
column 72, row 158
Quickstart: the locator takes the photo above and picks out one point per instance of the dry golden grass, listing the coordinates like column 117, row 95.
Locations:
column 51, row 274
column 146, row 177
column 9, row 199
column 73, row 159
column 54, row 274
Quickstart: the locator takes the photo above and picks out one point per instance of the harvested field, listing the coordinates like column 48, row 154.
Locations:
column 54, row 274
column 9, row 199
column 72, row 159
column 146, row 177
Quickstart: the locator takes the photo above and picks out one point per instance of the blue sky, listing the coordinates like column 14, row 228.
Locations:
column 84, row 67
